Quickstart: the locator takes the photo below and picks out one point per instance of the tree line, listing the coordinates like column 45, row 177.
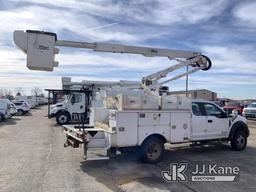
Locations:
column 11, row 93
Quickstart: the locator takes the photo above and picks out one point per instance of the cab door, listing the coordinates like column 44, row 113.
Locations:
column 199, row 122
column 77, row 103
column 217, row 122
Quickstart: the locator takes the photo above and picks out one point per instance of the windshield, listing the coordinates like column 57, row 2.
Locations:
column 252, row 105
column 67, row 98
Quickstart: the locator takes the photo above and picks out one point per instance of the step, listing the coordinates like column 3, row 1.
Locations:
column 97, row 143
column 97, row 154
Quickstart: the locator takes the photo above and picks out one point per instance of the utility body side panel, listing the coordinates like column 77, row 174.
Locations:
column 180, row 127
column 155, row 122
column 126, row 129
column 133, row 127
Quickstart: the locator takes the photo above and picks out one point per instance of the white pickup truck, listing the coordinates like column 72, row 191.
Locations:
column 148, row 130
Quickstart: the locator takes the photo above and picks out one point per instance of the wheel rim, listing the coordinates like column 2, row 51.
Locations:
column 154, row 151
column 63, row 118
column 240, row 141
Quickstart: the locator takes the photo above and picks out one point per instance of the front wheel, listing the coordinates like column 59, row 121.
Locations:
column 20, row 112
column 239, row 141
column 152, row 150
column 62, row 118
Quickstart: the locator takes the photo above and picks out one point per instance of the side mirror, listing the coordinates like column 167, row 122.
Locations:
column 222, row 115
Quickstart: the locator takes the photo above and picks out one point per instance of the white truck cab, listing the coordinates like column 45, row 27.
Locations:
column 209, row 121
column 75, row 103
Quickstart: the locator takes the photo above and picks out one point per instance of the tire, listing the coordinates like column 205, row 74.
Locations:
column 1, row 118
column 239, row 141
column 62, row 118
column 152, row 150
column 20, row 112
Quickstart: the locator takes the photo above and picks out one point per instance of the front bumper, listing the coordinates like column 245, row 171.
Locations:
column 51, row 115
column 252, row 115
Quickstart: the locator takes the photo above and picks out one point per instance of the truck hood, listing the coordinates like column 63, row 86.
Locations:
column 60, row 104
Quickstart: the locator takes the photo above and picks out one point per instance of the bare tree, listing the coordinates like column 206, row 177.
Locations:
column 19, row 91
column 7, row 93
column 37, row 91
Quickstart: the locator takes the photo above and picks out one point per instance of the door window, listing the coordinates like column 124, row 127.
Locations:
column 212, row 110
column 76, row 98
column 196, row 109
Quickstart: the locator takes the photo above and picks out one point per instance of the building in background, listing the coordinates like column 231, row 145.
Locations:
column 196, row 94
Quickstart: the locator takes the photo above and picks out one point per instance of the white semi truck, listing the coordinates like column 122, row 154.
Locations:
column 142, row 119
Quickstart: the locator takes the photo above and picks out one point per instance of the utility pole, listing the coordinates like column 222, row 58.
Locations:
column 187, row 82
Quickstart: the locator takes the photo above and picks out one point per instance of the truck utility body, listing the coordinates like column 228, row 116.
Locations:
column 130, row 129
column 143, row 118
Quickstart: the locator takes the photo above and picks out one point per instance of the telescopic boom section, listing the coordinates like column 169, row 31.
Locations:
column 40, row 48
column 115, row 48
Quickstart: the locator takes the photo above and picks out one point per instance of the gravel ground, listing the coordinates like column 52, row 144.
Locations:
column 32, row 158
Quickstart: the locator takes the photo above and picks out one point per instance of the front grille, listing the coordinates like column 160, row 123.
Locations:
column 250, row 111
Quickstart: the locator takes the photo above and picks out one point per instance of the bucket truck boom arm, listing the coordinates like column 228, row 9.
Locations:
column 40, row 48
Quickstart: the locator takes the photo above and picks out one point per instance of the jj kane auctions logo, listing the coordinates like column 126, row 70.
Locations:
column 200, row 172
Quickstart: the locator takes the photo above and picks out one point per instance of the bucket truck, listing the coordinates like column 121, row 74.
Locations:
column 143, row 119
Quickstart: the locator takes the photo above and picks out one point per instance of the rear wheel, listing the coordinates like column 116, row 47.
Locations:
column 62, row 118
column 239, row 141
column 20, row 112
column 152, row 150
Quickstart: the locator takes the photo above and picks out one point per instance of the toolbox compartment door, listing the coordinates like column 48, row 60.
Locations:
column 127, row 129
column 180, row 127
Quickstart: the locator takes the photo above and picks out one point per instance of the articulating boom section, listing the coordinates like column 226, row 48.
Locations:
column 40, row 49
column 85, row 84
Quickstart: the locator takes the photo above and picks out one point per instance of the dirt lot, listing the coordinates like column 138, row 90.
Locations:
column 32, row 158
